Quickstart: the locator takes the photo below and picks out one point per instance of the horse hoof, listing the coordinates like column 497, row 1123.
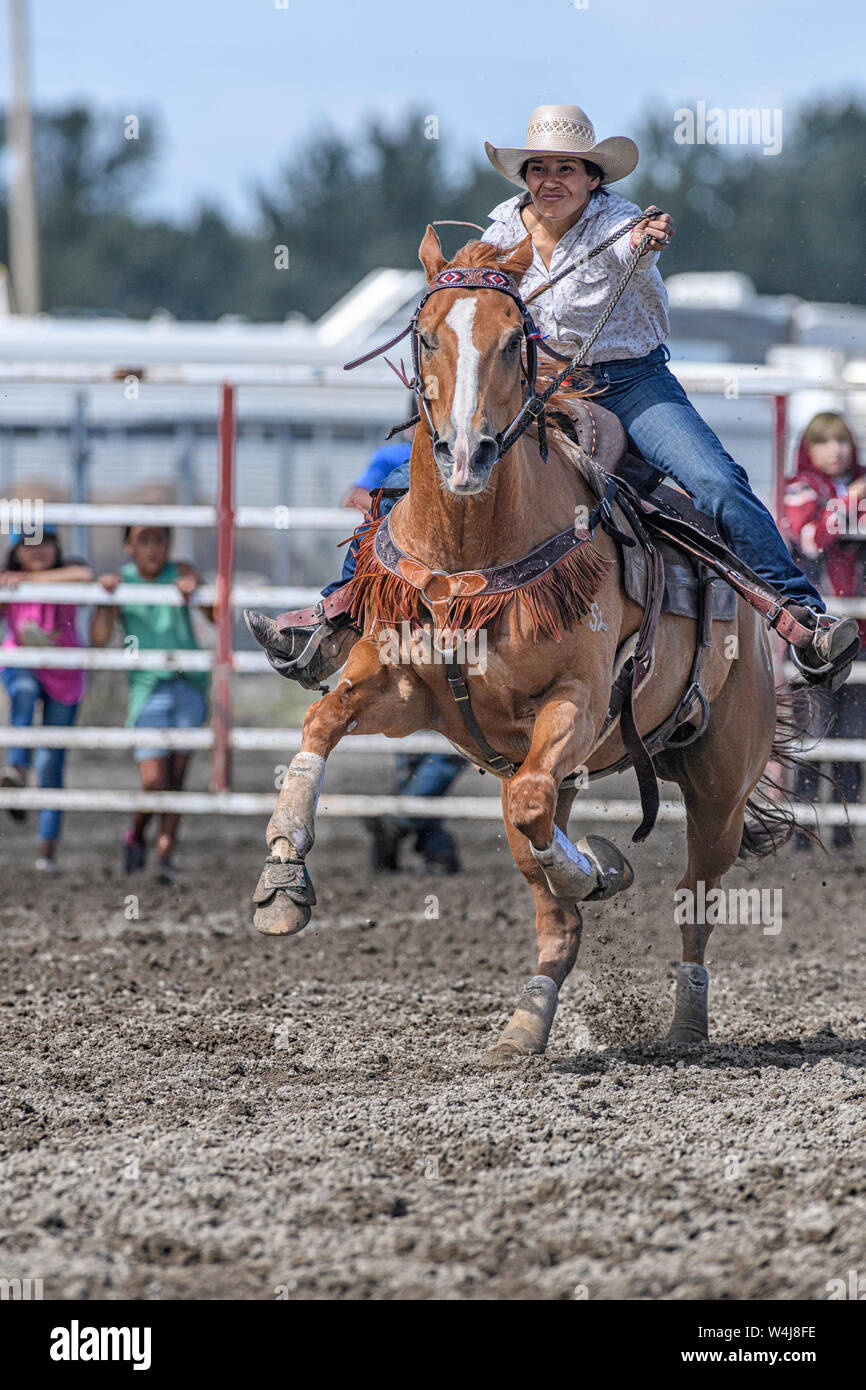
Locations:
column 614, row 871
column 685, row 1037
column 503, row 1054
column 281, row 917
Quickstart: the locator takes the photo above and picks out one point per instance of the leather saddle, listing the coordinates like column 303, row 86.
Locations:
column 603, row 439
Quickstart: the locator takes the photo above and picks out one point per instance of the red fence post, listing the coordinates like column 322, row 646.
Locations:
column 222, row 672
column 780, row 451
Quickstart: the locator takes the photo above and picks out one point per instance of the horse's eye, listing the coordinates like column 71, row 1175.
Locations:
column 513, row 346
column 424, row 343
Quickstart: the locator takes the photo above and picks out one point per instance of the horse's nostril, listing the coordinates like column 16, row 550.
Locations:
column 486, row 453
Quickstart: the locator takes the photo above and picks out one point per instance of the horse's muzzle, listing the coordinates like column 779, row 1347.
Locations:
column 466, row 470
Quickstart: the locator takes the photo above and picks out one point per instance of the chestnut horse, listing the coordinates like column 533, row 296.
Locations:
column 542, row 695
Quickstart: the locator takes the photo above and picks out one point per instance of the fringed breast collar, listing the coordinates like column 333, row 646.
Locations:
column 553, row 586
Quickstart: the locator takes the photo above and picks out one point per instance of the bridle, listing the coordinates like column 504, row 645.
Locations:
column 492, row 278
column 475, row 278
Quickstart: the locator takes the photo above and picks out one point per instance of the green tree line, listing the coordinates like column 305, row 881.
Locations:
column 792, row 221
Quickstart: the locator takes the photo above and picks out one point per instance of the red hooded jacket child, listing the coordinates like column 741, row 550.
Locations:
column 819, row 521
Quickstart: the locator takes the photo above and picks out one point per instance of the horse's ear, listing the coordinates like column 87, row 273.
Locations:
column 520, row 258
column 430, row 254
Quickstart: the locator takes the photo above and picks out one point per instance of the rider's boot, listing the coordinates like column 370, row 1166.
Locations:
column 304, row 654
column 835, row 645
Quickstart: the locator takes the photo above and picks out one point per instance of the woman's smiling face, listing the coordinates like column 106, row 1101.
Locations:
column 560, row 187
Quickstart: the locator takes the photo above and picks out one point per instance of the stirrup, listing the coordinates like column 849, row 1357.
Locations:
column 828, row 673
column 324, row 648
column 834, row 672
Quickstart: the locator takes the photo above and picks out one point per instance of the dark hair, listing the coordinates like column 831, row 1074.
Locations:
column 14, row 563
column 128, row 529
column 592, row 169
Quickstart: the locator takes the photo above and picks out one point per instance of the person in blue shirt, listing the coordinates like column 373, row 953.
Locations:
column 388, row 468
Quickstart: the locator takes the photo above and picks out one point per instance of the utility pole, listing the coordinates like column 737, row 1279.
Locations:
column 23, row 216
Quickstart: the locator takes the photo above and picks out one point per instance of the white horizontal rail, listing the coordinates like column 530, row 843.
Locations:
column 160, row 514
column 108, row 659
column 857, row 676
column 167, row 595
column 242, row 596
column 123, row 659
column 837, row 750
column 244, row 739
column 161, row 362
column 259, row 803
column 250, row 803
column 855, row 607
column 243, row 662
column 284, row 741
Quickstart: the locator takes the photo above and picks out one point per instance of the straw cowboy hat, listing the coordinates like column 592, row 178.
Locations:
column 565, row 130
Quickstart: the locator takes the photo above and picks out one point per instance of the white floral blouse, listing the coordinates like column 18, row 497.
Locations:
column 570, row 310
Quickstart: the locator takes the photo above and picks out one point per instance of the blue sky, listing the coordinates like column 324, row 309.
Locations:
column 237, row 84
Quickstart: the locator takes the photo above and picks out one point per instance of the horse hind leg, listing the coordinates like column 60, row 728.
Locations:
column 716, row 776
column 713, row 844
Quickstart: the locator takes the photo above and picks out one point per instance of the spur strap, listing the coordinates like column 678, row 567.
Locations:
column 330, row 607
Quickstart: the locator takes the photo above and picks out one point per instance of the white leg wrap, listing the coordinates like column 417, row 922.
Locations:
column 291, row 829
column 570, row 873
column 690, row 1009
column 529, row 1028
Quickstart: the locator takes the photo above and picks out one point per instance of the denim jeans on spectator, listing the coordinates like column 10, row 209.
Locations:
column 428, row 774
column 25, row 691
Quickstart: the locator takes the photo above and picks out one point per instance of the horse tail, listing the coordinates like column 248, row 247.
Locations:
column 771, row 809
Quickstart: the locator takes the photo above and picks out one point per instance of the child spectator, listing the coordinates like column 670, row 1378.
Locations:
column 34, row 624
column 157, row 699
column 825, row 523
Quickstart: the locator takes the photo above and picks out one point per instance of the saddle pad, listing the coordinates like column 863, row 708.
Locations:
column 681, row 579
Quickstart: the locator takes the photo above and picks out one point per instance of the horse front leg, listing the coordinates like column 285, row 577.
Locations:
column 369, row 698
column 558, row 926
column 561, row 874
column 561, row 741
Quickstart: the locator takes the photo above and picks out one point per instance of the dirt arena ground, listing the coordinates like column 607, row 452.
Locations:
column 192, row 1111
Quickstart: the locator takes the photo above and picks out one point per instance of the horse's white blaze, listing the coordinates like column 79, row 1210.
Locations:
column 459, row 319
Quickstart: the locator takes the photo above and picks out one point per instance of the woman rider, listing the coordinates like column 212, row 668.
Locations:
column 565, row 207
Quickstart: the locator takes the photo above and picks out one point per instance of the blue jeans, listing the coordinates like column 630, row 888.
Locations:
column 25, row 691
column 669, row 432
column 430, row 774
column 174, row 704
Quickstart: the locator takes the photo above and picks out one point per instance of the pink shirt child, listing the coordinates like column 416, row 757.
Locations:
column 58, row 620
